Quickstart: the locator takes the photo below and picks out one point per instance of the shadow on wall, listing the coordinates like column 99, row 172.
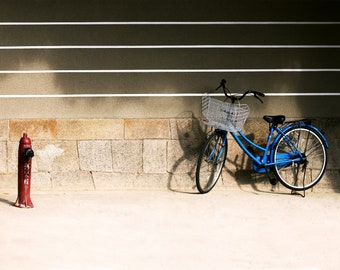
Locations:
column 239, row 167
column 182, row 172
column 189, row 144
column 331, row 128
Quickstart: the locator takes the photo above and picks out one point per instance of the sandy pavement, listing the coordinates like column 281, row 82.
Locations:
column 169, row 230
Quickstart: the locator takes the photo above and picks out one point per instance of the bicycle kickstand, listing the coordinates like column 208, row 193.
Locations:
column 294, row 192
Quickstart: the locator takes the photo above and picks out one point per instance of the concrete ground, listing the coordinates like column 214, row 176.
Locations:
column 168, row 230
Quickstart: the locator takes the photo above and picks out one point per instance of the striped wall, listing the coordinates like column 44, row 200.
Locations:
column 153, row 59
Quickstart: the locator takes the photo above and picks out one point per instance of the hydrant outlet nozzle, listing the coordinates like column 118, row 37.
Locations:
column 29, row 153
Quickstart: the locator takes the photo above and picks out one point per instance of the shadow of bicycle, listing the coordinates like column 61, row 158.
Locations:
column 190, row 138
column 188, row 141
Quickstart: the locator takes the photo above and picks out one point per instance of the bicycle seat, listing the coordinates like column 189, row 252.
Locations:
column 275, row 119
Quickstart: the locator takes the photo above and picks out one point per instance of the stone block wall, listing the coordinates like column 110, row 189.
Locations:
column 109, row 154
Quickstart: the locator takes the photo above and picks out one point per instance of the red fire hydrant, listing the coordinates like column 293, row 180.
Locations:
column 24, row 173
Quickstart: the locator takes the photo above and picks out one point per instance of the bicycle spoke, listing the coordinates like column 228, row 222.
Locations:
column 309, row 153
column 211, row 162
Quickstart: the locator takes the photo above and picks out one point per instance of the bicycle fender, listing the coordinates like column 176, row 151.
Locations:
column 302, row 124
column 321, row 134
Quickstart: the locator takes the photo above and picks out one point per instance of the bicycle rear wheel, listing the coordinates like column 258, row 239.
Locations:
column 211, row 162
column 308, row 171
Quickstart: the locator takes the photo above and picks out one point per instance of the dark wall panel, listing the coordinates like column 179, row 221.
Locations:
column 312, row 65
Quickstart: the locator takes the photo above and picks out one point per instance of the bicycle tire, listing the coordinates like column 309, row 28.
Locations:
column 211, row 162
column 307, row 173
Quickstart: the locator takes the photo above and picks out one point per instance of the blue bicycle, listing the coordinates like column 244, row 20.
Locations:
column 295, row 152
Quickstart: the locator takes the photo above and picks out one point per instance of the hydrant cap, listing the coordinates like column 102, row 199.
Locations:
column 25, row 139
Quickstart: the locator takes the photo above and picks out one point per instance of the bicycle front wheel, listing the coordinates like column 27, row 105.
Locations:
column 211, row 162
column 304, row 145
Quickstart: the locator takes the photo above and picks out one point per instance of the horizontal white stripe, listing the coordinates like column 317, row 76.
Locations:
column 154, row 95
column 245, row 70
column 61, row 47
column 301, row 94
column 174, row 23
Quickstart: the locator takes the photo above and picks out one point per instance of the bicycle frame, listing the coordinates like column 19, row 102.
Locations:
column 294, row 151
column 264, row 162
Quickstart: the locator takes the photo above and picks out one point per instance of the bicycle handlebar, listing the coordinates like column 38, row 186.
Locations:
column 256, row 94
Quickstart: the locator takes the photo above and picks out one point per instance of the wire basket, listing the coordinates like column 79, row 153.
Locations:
column 223, row 115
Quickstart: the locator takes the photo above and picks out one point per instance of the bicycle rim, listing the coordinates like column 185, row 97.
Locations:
column 210, row 163
column 307, row 172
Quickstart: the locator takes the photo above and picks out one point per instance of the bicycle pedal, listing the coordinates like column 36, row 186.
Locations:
column 273, row 181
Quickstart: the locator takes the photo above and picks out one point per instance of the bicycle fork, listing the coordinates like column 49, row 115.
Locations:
column 218, row 147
